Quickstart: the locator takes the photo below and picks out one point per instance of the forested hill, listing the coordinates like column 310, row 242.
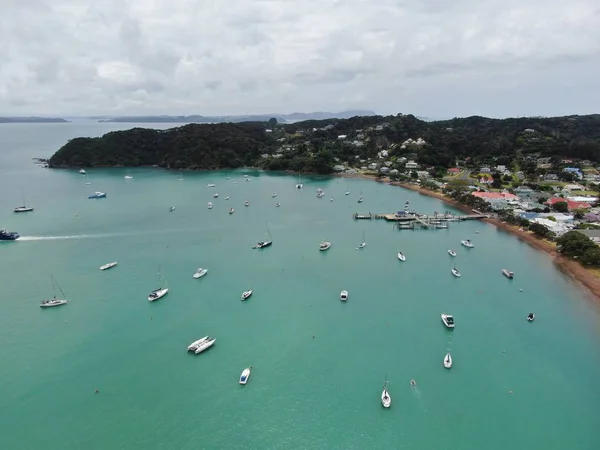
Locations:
column 318, row 145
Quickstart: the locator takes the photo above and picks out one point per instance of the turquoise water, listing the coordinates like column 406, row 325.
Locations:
column 318, row 364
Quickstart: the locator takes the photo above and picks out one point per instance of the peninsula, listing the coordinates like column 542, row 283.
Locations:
column 32, row 119
column 537, row 177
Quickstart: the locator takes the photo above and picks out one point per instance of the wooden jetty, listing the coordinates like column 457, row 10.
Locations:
column 425, row 220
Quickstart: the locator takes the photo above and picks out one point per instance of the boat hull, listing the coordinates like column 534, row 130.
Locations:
column 9, row 237
column 108, row 266
column 52, row 304
column 158, row 294
column 22, row 209
column 264, row 244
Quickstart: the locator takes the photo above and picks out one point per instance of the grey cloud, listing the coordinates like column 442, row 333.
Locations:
column 258, row 56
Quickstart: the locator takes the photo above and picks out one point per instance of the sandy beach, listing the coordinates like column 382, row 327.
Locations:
column 585, row 277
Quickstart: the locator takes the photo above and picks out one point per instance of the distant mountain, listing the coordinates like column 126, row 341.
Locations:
column 32, row 120
column 283, row 118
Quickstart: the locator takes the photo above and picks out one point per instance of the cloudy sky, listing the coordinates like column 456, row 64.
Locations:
column 434, row 58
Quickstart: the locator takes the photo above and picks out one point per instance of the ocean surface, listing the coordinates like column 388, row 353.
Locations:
column 318, row 363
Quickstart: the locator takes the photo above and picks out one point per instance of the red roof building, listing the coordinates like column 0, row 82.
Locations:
column 496, row 196
column 570, row 203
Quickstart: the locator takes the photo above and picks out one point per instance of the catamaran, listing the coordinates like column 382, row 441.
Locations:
column 55, row 301
column 206, row 343
column 386, row 398
column 194, row 345
column 162, row 289
column 448, row 320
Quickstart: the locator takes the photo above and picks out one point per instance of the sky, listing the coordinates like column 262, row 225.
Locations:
column 433, row 58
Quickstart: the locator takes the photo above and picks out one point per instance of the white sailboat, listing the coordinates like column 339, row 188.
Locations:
column 347, row 191
column 54, row 301
column 364, row 242
column 360, row 199
column 180, row 175
column 24, row 208
column 128, row 176
column 162, row 289
column 267, row 243
column 447, row 361
column 299, row 185
column 386, row 398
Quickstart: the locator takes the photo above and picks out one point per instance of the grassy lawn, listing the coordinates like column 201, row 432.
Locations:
column 585, row 193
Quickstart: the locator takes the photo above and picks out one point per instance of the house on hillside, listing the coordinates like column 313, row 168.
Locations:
column 571, row 205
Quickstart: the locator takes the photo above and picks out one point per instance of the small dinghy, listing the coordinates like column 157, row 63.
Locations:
column 245, row 375
column 246, row 295
column 530, row 317
column 200, row 272
column 108, row 266
column 447, row 361
column 452, row 253
column 401, row 257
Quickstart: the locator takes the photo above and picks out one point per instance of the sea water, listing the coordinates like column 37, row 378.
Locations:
column 318, row 364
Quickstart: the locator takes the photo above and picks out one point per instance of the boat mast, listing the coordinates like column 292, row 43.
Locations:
column 269, row 231
column 53, row 287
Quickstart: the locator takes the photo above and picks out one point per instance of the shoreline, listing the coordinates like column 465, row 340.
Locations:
column 587, row 279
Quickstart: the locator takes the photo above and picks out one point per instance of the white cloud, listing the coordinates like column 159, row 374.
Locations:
column 431, row 57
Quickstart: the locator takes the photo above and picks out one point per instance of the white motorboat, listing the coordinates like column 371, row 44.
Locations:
column 467, row 243
column 210, row 205
column 245, row 375
column 347, row 193
column 452, row 253
column 278, row 205
column 200, row 272
column 216, row 195
column 530, row 317
column 171, row 209
column 211, row 185
column 231, row 210
column 344, row 296
column 273, row 195
column 54, row 301
column 246, row 295
column 226, row 198
column 448, row 320
column 162, row 289
column 455, row 272
column 508, row 273
column 108, row 266
column 21, row 209
column 194, row 345
column 386, row 398
column 401, row 257
column 205, row 344
column 82, row 171
column 324, row 246
column 246, row 203
column 447, row 361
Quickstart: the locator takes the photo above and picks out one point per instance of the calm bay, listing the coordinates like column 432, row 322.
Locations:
column 318, row 363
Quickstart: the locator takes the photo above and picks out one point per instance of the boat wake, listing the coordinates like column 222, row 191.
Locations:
column 60, row 238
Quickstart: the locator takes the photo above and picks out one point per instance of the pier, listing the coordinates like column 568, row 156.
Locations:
column 408, row 221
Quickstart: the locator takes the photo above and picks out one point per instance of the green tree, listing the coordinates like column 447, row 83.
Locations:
column 561, row 207
column 272, row 122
